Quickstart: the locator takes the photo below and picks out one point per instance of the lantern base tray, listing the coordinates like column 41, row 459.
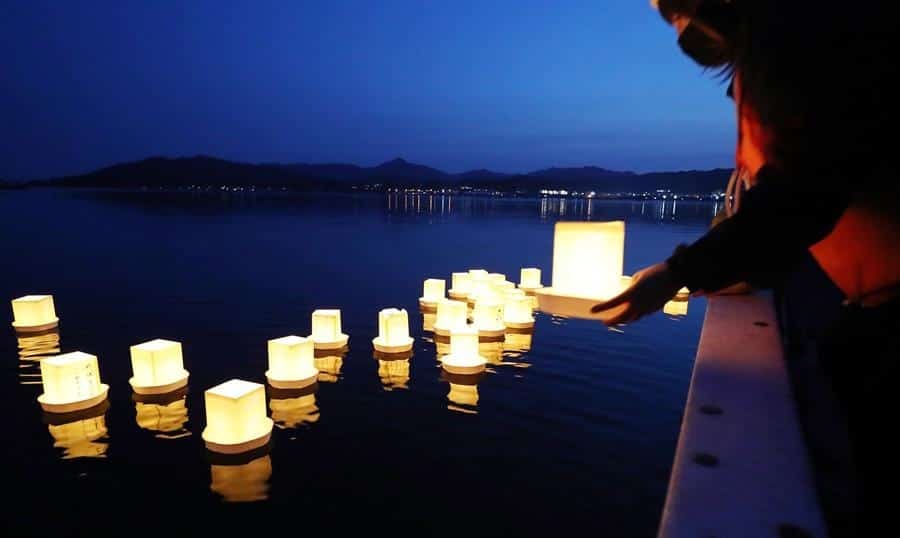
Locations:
column 442, row 331
column 551, row 301
column 491, row 333
column 427, row 306
column 529, row 290
column 379, row 345
column 293, row 383
column 463, row 365
column 333, row 344
column 240, row 448
column 458, row 295
column 35, row 328
column 74, row 406
column 161, row 389
column 520, row 324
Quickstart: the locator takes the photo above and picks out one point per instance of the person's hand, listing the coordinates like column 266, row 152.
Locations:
column 650, row 290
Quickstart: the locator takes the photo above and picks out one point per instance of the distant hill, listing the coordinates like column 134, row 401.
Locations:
column 209, row 171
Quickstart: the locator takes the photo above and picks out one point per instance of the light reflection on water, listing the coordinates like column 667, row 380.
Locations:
column 242, row 481
column 32, row 348
column 80, row 435
column 165, row 414
column 293, row 408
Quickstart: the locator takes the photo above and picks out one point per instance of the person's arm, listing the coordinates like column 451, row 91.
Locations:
column 779, row 219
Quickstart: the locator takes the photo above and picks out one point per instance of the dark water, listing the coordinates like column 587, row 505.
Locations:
column 574, row 430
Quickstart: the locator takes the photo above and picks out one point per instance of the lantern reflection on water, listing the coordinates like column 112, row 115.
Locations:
column 164, row 414
column 329, row 364
column 463, row 357
column 326, row 330
column 393, row 332
column 291, row 362
column 158, row 367
column 242, row 480
column 394, row 373
column 292, row 408
column 34, row 313
column 80, row 434
column 517, row 342
column 587, row 268
column 71, row 383
column 460, row 286
column 33, row 347
column 236, row 418
column 450, row 315
column 463, row 395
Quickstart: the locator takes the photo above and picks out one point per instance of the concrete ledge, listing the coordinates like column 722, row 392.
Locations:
column 741, row 467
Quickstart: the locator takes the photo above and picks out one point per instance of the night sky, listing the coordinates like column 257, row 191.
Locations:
column 507, row 85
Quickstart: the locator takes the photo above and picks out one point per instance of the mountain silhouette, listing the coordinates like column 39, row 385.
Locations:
column 205, row 171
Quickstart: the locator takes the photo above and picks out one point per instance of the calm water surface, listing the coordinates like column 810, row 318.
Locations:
column 572, row 429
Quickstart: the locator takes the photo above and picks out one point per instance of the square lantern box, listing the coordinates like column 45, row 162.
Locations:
column 71, row 383
column 432, row 292
column 463, row 357
column 483, row 289
column 158, row 367
column 487, row 317
column 33, row 313
column 530, row 280
column 676, row 308
column 236, row 420
column 393, row 332
column 291, row 363
column 460, row 286
column 587, row 268
column 517, row 312
column 450, row 315
column 326, row 330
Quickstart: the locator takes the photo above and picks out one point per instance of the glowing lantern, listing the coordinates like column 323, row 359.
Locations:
column 478, row 274
column 34, row 313
column 450, row 315
column 245, row 482
column 500, row 288
column 683, row 294
column 460, row 286
column 294, row 408
column 167, row 419
column 393, row 332
column 488, row 318
column 464, row 357
column 158, row 367
column 482, row 289
column 394, row 374
column 587, row 267
column 326, row 330
column 517, row 312
column 432, row 292
column 491, row 351
column 496, row 277
column 291, row 363
column 625, row 282
column 71, row 383
column 81, row 438
column 236, row 418
column 530, row 279
column 428, row 320
column 676, row 308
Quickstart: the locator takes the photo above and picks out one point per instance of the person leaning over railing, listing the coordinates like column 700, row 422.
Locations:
column 812, row 84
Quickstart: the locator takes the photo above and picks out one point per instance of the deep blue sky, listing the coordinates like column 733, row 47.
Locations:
column 509, row 85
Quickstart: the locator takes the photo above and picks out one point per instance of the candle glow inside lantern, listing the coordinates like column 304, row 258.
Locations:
column 488, row 317
column 326, row 330
column 482, row 289
column 463, row 357
column 432, row 291
column 676, row 308
column 517, row 312
column 71, row 383
column 236, row 420
column 33, row 313
column 291, row 363
column 530, row 279
column 460, row 286
column 496, row 277
column 587, row 268
column 393, row 331
column 450, row 315
column 158, row 367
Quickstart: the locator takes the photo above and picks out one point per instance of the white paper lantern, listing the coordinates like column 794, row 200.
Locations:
column 478, row 274
column 393, row 332
column 460, row 286
column 236, row 420
column 157, row 367
column 676, row 308
column 245, row 482
column 34, row 313
column 326, row 330
column 487, row 317
column 530, row 279
column 517, row 312
column 463, row 357
column 587, row 268
column 450, row 315
column 291, row 363
column 71, row 383
column 432, row 292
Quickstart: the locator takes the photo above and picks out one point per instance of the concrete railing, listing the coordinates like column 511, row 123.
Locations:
column 741, row 467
